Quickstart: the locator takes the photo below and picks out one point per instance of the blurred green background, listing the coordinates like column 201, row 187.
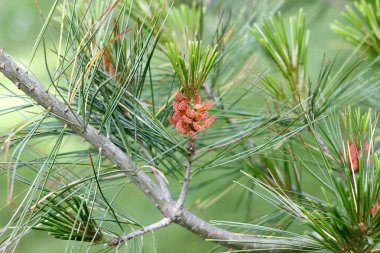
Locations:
column 20, row 24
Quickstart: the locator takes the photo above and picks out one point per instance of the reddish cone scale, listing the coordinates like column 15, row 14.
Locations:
column 190, row 116
column 375, row 207
column 354, row 155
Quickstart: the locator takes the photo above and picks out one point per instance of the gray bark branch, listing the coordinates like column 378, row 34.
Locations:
column 160, row 224
column 36, row 91
column 186, row 175
column 185, row 185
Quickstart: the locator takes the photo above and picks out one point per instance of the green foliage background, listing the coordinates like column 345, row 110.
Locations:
column 20, row 23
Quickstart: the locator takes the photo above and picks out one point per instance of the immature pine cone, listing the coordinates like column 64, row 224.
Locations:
column 190, row 116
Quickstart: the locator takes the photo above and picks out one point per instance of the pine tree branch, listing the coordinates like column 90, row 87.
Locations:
column 35, row 90
column 186, row 176
column 160, row 224
column 185, row 185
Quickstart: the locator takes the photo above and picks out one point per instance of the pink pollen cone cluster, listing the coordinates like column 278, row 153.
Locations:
column 190, row 116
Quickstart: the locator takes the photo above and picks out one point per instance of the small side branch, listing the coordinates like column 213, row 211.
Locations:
column 186, row 177
column 160, row 224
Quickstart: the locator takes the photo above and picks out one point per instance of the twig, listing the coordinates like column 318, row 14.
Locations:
column 35, row 90
column 186, row 177
column 160, row 224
